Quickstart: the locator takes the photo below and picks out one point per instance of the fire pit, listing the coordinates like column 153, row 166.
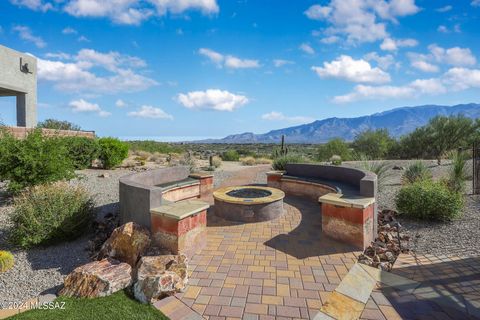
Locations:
column 248, row 203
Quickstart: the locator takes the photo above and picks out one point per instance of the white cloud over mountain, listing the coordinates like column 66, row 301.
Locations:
column 347, row 68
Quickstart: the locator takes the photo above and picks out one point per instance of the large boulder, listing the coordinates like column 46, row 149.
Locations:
column 126, row 243
column 160, row 276
column 97, row 279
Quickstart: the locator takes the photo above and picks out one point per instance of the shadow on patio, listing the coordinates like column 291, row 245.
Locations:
column 448, row 285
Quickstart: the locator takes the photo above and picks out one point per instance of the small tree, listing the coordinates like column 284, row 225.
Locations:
column 333, row 147
column 58, row 125
column 375, row 144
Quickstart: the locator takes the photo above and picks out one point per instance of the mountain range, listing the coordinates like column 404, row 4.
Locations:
column 398, row 121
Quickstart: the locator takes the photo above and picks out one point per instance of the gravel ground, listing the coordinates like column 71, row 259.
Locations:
column 42, row 270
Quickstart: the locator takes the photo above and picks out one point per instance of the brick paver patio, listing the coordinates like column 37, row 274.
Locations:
column 281, row 268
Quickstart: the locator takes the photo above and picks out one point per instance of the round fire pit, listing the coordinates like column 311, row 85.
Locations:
column 248, row 203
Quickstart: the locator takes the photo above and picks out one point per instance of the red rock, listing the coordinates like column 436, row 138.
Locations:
column 127, row 243
column 160, row 276
column 97, row 279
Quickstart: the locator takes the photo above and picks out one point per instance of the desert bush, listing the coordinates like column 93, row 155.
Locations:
column 50, row 213
column 81, row 150
column 416, row 171
column 230, row 155
column 457, row 174
column 189, row 160
column 381, row 168
column 280, row 162
column 58, row 125
column 263, row 161
column 215, row 161
column 144, row 155
column 112, row 152
column 248, row 161
column 336, row 160
column 6, row 261
column 429, row 200
column 333, row 147
column 34, row 160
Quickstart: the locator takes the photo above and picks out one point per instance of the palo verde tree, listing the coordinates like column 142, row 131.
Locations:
column 375, row 144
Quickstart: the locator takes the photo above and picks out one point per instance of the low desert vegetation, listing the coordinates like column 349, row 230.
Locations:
column 154, row 146
column 34, row 160
column 335, row 147
column 248, row 161
column 231, row 155
column 58, row 125
column 215, row 161
column 112, row 152
column 429, row 200
column 281, row 162
column 50, row 213
column 417, row 171
column 6, row 261
column 82, row 151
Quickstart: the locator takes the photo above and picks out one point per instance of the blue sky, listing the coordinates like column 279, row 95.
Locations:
column 208, row 68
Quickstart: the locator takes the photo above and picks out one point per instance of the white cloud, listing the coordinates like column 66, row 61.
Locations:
column 134, row 12
column 228, row 61
column 120, row 103
column 77, row 75
column 455, row 56
column 281, row 62
column 278, row 116
column 83, row 39
column 383, row 62
column 424, row 66
column 347, row 68
column 150, row 112
column 462, row 78
column 330, row 39
column 455, row 79
column 360, row 20
column 214, row 99
column 444, row 9
column 475, row 3
column 444, row 29
column 69, row 30
column 85, row 106
column 37, row 5
column 390, row 44
column 26, row 34
column 305, row 47
column 58, row 55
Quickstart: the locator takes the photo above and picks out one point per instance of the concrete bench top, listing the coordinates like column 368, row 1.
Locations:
column 179, row 183
column 349, row 201
column 181, row 210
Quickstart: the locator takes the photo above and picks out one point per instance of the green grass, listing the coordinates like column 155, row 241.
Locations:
column 117, row 306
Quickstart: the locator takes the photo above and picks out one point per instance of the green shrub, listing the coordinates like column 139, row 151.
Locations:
column 81, row 150
column 280, row 162
column 457, row 174
column 50, row 213
column 230, row 155
column 374, row 144
column 58, row 125
column 34, row 160
column 112, row 152
column 333, row 147
column 416, row 171
column 6, row 261
column 429, row 200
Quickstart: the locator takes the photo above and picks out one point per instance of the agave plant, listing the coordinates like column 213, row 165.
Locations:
column 416, row 171
column 381, row 168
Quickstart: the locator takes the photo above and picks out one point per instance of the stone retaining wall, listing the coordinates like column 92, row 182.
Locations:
column 22, row 132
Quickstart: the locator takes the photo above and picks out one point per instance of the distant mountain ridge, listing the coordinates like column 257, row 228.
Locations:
column 398, row 121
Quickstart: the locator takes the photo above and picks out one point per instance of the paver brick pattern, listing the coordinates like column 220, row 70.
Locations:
column 280, row 269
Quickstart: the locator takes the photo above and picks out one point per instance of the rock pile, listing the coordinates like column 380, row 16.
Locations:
column 390, row 242
column 127, row 258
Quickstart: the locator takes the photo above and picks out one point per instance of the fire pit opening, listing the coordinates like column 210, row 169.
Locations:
column 249, row 193
column 248, row 203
